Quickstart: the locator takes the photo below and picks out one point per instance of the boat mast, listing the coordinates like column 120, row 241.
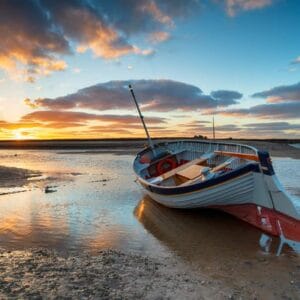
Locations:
column 214, row 135
column 142, row 119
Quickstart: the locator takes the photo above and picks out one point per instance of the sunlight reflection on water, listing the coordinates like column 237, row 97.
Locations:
column 92, row 207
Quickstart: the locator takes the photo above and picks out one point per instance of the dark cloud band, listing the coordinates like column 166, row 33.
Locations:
column 153, row 95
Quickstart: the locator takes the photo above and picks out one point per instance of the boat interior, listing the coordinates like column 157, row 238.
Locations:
column 184, row 165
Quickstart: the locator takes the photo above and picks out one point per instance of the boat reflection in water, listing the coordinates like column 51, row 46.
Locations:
column 216, row 243
column 195, row 232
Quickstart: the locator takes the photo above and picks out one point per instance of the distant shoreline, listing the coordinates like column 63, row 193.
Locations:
column 278, row 148
column 274, row 140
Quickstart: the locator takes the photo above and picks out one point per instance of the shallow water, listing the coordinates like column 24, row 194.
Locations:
column 95, row 204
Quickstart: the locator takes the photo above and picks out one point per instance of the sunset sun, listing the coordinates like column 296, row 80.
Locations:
column 20, row 135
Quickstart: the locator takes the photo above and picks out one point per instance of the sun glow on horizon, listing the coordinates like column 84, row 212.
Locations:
column 21, row 135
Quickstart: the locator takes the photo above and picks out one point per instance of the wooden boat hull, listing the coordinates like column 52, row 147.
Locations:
column 268, row 220
column 251, row 193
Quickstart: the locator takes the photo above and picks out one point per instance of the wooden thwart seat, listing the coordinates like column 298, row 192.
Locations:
column 239, row 155
column 197, row 161
column 190, row 172
column 223, row 165
column 212, row 171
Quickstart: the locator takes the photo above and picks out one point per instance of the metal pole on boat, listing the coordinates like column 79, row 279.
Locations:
column 214, row 135
column 142, row 119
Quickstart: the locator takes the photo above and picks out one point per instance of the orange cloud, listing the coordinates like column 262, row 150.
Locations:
column 17, row 125
column 34, row 34
column 66, row 117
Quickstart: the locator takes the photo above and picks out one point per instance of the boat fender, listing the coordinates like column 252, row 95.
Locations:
column 145, row 159
column 165, row 165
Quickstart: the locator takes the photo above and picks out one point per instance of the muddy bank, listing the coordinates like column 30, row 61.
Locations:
column 15, row 180
column 44, row 274
column 15, row 177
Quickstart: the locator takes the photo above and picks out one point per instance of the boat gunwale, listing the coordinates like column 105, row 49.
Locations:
column 148, row 184
column 162, row 143
column 198, row 186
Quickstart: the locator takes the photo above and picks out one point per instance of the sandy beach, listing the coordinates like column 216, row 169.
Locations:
column 51, row 250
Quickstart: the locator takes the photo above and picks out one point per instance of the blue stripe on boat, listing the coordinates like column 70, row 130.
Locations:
column 253, row 167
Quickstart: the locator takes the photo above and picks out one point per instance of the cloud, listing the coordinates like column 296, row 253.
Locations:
column 234, row 6
column 225, row 97
column 82, row 117
column 54, row 124
column 296, row 61
column 153, row 95
column 28, row 102
column 282, row 102
column 289, row 110
column 35, row 34
column 89, row 123
column 284, row 93
column 105, row 130
column 250, row 130
column 273, row 126
column 195, row 124
column 17, row 125
column 27, row 39
column 208, row 128
column 159, row 36
column 271, row 129
column 76, row 70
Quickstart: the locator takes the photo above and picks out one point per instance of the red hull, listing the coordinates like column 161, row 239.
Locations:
column 268, row 220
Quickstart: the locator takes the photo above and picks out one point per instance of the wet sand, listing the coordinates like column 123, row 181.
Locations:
column 44, row 274
column 16, row 177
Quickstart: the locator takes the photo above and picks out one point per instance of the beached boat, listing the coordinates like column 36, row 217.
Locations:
column 235, row 178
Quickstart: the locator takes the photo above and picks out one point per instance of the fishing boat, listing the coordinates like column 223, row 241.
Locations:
column 235, row 178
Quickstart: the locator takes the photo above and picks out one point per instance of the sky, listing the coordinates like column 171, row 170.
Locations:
column 65, row 67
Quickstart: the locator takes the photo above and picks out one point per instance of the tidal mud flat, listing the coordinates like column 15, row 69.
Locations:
column 13, row 177
column 111, row 274
column 44, row 274
column 97, row 236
